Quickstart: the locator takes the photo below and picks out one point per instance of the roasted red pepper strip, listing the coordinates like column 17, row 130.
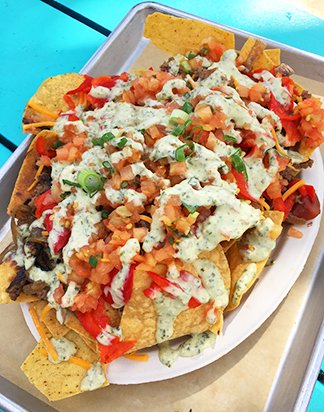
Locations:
column 162, row 281
column 62, row 240
column 115, row 350
column 242, row 185
column 95, row 320
column 96, row 101
column 128, row 285
column 193, row 303
column 104, row 81
column 45, row 201
column 153, row 291
column 84, row 87
column 308, row 190
column 43, row 147
column 48, row 222
column 282, row 111
column 284, row 206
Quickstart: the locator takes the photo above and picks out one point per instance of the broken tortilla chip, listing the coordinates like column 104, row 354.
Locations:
column 47, row 102
column 73, row 323
column 274, row 55
column 244, row 274
column 177, row 35
column 61, row 380
column 8, row 272
column 49, row 320
column 253, row 55
column 139, row 319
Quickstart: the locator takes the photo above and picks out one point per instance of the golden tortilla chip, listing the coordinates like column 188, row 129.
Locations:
column 62, row 380
column 48, row 102
column 139, row 319
column 51, row 323
column 7, row 273
column 27, row 173
column 73, row 323
column 253, row 55
column 177, row 35
column 251, row 270
column 274, row 55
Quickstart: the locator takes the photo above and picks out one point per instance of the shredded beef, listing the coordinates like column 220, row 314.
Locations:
column 23, row 214
column 19, row 281
column 165, row 65
column 38, row 288
column 44, row 182
column 284, row 70
column 304, row 165
column 290, row 173
column 294, row 220
column 39, row 249
column 202, row 73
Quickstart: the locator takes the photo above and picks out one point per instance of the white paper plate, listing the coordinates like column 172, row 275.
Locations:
column 272, row 287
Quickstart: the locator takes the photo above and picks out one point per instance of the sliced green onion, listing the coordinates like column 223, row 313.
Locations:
column 205, row 50
column 65, row 195
column 93, row 261
column 229, row 138
column 187, row 107
column 104, row 214
column 90, row 181
column 57, row 144
column 238, row 163
column 180, row 154
column 96, row 141
column 123, row 185
column 69, row 183
column 107, row 165
column 107, row 137
column 178, row 114
column 185, row 66
column 191, row 209
column 171, row 240
column 178, row 130
column 122, row 142
column 190, row 55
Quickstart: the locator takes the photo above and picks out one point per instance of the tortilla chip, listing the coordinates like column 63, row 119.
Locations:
column 238, row 266
column 27, row 173
column 7, row 273
column 274, row 55
column 52, row 324
column 139, row 319
column 73, row 323
column 57, row 381
column 48, row 99
column 254, row 56
column 177, row 35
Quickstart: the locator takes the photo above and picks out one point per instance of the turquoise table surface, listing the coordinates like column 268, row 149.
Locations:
column 38, row 41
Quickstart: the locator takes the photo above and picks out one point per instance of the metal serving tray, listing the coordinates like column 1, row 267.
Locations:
column 303, row 354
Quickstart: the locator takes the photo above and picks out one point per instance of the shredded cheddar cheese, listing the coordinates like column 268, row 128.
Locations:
column 41, row 110
column 139, row 357
column 38, row 124
column 73, row 359
column 264, row 204
column 278, row 147
column 293, row 189
column 39, row 171
column 49, row 347
column 45, row 311
column 146, row 218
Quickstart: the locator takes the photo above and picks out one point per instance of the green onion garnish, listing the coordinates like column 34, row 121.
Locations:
column 107, row 165
column 104, row 214
column 180, row 154
column 229, row 138
column 187, row 107
column 122, row 142
column 93, row 261
column 123, row 185
column 238, row 163
column 65, row 195
column 191, row 209
column 90, row 181
column 205, row 50
column 69, row 183
column 180, row 129
column 100, row 141
column 57, row 144
column 190, row 55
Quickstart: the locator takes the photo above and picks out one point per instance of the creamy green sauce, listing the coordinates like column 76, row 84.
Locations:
column 243, row 283
column 64, row 348
column 106, row 336
column 193, row 346
column 94, row 378
column 256, row 244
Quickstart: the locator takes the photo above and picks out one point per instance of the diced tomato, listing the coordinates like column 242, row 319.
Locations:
column 284, row 206
column 62, row 240
column 306, row 209
column 43, row 147
column 115, row 350
column 193, row 303
column 308, row 190
column 48, row 222
column 96, row 101
column 58, row 293
column 292, row 132
column 43, row 202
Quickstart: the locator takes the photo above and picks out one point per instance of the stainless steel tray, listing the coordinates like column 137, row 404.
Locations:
column 301, row 360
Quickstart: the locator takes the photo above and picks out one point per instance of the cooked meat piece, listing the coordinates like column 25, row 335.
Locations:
column 304, row 165
column 202, row 73
column 284, row 70
column 38, row 288
column 39, row 249
column 294, row 220
column 306, row 95
column 165, row 65
column 44, row 182
column 19, row 281
column 23, row 214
